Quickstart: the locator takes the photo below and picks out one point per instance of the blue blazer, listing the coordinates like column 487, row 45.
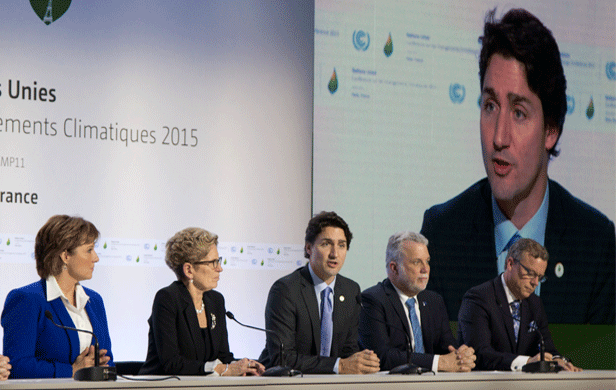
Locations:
column 39, row 349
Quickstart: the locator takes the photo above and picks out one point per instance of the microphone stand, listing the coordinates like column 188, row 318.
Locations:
column 95, row 373
column 279, row 370
column 541, row 366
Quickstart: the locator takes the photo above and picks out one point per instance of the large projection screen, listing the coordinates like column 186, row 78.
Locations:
column 146, row 117
column 399, row 133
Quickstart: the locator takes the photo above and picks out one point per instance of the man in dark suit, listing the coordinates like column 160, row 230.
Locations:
column 386, row 319
column 318, row 339
column 501, row 318
column 523, row 108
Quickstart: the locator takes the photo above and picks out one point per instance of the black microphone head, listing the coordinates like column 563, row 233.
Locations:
column 230, row 315
column 48, row 314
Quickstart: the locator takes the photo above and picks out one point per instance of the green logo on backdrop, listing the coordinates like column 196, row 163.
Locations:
column 50, row 10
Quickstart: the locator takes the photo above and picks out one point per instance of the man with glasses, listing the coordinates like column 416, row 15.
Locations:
column 501, row 318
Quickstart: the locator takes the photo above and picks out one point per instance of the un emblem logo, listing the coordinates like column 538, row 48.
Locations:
column 610, row 70
column 457, row 93
column 361, row 40
column 570, row 104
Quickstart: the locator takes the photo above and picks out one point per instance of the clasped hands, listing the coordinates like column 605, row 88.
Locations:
column 243, row 367
column 86, row 359
column 567, row 366
column 458, row 360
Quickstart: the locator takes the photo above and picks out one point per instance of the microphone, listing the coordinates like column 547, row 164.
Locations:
column 96, row 373
column 540, row 366
column 279, row 370
column 403, row 369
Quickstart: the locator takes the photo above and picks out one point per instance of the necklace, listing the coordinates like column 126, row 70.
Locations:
column 202, row 307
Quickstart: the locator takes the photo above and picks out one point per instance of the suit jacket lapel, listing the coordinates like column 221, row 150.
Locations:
column 483, row 235
column 501, row 301
column 394, row 299
column 340, row 309
column 312, row 306
column 63, row 318
column 524, row 337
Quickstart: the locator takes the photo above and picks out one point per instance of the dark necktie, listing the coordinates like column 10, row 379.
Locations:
column 515, row 313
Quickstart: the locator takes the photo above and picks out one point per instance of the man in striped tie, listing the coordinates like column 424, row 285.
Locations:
column 503, row 318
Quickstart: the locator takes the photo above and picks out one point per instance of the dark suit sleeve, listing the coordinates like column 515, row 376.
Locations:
column 23, row 319
column 475, row 322
column 442, row 331
column 281, row 317
column 389, row 344
column 165, row 312
column 351, row 345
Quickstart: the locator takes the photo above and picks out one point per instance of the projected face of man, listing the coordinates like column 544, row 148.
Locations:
column 514, row 139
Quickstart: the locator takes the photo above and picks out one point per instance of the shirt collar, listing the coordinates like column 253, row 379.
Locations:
column 504, row 229
column 510, row 297
column 54, row 292
column 403, row 296
column 319, row 284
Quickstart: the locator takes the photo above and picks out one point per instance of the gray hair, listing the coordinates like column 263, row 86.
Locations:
column 394, row 245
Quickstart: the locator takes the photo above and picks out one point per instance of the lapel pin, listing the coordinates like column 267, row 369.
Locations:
column 341, row 298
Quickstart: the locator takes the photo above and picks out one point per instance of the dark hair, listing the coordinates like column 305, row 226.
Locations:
column 520, row 35
column 323, row 220
column 60, row 233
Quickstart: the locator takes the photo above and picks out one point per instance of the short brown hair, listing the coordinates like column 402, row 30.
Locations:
column 526, row 245
column 61, row 233
column 188, row 246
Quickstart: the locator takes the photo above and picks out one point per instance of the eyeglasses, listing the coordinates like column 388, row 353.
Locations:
column 530, row 274
column 214, row 263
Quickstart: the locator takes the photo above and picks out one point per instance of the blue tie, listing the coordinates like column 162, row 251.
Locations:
column 512, row 241
column 515, row 313
column 326, row 321
column 417, row 336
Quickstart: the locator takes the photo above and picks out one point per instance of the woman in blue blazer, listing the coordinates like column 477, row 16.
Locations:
column 64, row 253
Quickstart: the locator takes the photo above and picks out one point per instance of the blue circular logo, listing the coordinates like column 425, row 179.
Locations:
column 361, row 40
column 146, row 246
column 254, row 261
column 270, row 250
column 129, row 258
column 457, row 93
column 233, row 249
column 570, row 104
column 610, row 70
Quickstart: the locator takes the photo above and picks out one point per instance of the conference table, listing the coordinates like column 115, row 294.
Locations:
column 591, row 379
